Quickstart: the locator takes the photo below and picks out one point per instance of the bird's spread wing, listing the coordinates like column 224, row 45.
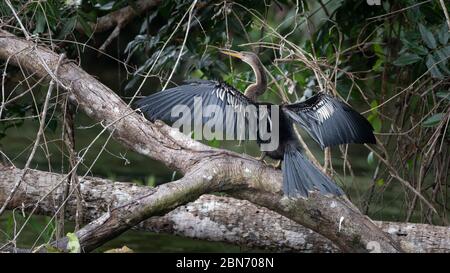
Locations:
column 160, row 105
column 329, row 121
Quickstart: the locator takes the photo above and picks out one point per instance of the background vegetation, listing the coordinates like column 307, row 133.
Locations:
column 389, row 61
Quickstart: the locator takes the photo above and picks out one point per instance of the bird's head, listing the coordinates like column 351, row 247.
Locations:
column 245, row 56
column 256, row 89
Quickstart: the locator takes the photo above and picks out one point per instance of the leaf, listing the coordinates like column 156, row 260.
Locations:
column 380, row 182
column 441, row 61
column 107, row 6
column 443, row 95
column 427, row 37
column 376, row 122
column 151, row 181
column 370, row 159
column 442, row 55
column 73, row 245
column 446, row 51
column 197, row 74
column 409, row 164
column 40, row 23
column 378, row 66
column 123, row 249
column 378, row 50
column 406, row 59
column 433, row 120
column 131, row 83
column 414, row 47
column 443, row 34
column 434, row 70
column 85, row 25
column 214, row 143
column 68, row 27
column 373, row 106
column 420, row 50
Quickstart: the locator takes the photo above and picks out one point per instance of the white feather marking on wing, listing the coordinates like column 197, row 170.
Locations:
column 219, row 93
column 324, row 110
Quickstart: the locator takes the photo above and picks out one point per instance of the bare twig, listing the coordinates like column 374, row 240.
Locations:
column 72, row 180
column 191, row 10
column 38, row 136
column 24, row 30
column 444, row 9
column 395, row 174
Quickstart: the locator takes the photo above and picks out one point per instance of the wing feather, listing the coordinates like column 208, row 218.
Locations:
column 329, row 121
column 160, row 105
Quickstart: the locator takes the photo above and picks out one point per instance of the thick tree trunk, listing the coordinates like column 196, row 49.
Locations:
column 206, row 169
column 209, row 218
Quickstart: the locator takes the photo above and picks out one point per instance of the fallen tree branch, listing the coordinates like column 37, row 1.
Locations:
column 158, row 201
column 208, row 218
column 240, row 175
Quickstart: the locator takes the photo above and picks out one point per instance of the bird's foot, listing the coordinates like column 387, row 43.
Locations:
column 262, row 156
column 277, row 165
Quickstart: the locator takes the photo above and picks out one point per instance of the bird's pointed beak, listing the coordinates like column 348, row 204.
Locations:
column 231, row 53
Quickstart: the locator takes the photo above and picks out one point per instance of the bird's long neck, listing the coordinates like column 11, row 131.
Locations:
column 258, row 88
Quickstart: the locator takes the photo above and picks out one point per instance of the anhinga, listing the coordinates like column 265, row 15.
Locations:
column 326, row 119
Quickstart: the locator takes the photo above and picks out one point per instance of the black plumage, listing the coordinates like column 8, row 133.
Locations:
column 327, row 120
column 159, row 105
column 301, row 176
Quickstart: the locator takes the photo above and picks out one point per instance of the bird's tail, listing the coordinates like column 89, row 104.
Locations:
column 300, row 176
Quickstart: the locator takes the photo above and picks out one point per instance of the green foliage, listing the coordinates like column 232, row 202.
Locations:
column 73, row 245
column 374, row 118
column 431, row 48
column 443, row 95
column 380, row 182
column 433, row 120
column 371, row 159
column 215, row 143
column 427, row 37
column 151, row 181
column 406, row 59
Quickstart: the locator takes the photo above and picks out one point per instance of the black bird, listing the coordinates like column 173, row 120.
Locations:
column 327, row 120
